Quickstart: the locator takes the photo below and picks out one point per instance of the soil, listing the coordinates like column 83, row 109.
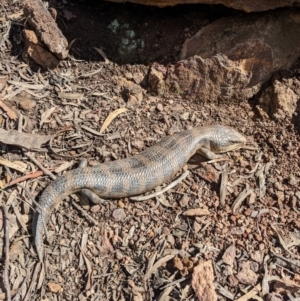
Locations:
column 127, row 250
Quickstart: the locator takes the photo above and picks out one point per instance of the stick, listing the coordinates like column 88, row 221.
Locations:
column 250, row 294
column 155, row 194
column 5, row 271
column 26, row 177
column 40, row 166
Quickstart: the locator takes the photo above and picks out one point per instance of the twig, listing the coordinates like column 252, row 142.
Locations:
column 175, row 282
column 40, row 166
column 282, row 242
column 26, row 177
column 20, row 122
column 155, row 194
column 224, row 181
column 296, row 263
column 84, row 213
column 32, row 281
column 5, row 271
column 250, row 294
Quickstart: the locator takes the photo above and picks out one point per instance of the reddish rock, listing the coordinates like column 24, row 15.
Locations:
column 261, row 43
column 41, row 21
column 34, row 50
column 248, row 5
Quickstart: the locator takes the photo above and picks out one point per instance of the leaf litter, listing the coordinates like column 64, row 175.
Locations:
column 227, row 230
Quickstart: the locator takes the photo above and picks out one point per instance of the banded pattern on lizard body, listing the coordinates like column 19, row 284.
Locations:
column 137, row 174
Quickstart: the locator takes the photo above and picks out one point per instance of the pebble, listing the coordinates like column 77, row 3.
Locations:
column 292, row 180
column 95, row 208
column 160, row 107
column 279, row 186
column 119, row 214
column 297, row 194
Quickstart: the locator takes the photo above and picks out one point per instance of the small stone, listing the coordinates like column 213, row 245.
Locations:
column 160, row 107
column 185, row 116
column 95, row 208
column 229, row 255
column 178, row 263
column 54, row 287
column 184, row 201
column 232, row 281
column 26, row 103
column 119, row 214
column 297, row 194
column 279, row 186
column 196, row 227
column 119, row 255
column 128, row 75
column 246, row 275
column 139, row 144
column 292, row 180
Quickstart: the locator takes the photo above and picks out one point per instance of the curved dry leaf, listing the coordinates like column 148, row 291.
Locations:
column 160, row 262
column 10, row 112
column 111, row 117
column 46, row 115
column 68, row 95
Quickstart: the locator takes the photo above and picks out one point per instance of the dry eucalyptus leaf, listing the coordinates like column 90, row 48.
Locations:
column 67, row 95
column 111, row 117
column 45, row 115
column 10, row 112
column 17, row 165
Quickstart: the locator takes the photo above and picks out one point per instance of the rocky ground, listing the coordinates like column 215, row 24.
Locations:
column 228, row 231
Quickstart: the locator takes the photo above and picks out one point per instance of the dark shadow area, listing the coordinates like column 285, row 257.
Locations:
column 131, row 33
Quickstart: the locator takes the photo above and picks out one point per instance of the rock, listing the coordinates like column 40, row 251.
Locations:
column 229, row 255
column 156, row 79
column 132, row 92
column 54, row 287
column 215, row 78
column 260, row 43
column 277, row 102
column 248, row 6
column 246, row 275
column 34, row 50
column 119, row 214
column 25, row 101
column 45, row 27
column 202, row 281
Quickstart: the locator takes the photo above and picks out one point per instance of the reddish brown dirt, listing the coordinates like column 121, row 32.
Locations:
column 114, row 256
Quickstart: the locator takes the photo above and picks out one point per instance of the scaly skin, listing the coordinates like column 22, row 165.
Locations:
column 137, row 174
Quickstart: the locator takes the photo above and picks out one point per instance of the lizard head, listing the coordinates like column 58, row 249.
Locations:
column 227, row 139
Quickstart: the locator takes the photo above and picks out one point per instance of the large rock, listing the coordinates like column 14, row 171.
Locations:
column 278, row 102
column 263, row 43
column 45, row 27
column 213, row 79
column 245, row 5
column 231, row 57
